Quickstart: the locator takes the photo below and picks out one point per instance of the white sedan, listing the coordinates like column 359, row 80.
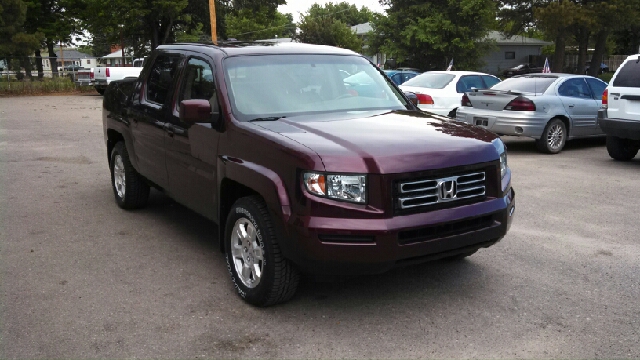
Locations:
column 440, row 92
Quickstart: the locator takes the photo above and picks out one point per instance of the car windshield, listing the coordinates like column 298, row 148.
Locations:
column 431, row 80
column 274, row 86
column 534, row 85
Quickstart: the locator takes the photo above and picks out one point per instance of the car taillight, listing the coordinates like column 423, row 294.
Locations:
column 424, row 99
column 91, row 75
column 605, row 98
column 106, row 72
column 465, row 101
column 521, row 103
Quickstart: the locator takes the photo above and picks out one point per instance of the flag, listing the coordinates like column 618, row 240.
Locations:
column 450, row 65
column 546, row 69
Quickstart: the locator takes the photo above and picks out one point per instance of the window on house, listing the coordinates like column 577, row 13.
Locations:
column 88, row 61
column 510, row 55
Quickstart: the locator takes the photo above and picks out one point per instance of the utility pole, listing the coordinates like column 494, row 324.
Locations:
column 61, row 57
column 212, row 16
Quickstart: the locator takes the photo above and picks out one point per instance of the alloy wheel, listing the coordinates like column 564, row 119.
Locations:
column 246, row 252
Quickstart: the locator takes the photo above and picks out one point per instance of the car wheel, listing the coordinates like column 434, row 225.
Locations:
column 621, row 149
column 453, row 113
column 259, row 271
column 130, row 188
column 553, row 137
column 100, row 90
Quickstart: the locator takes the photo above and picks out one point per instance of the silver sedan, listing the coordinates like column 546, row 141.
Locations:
column 551, row 108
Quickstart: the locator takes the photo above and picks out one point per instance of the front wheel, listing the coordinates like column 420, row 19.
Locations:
column 261, row 275
column 621, row 149
column 553, row 137
column 129, row 187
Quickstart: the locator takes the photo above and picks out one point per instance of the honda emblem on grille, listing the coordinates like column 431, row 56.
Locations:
column 447, row 189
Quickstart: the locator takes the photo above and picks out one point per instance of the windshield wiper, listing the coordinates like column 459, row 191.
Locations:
column 269, row 118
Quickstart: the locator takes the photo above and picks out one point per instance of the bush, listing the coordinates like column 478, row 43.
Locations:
column 44, row 86
column 606, row 77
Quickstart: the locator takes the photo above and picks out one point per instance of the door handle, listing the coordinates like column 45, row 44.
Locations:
column 571, row 105
column 172, row 130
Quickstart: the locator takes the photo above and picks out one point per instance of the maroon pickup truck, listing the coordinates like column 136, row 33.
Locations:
column 302, row 171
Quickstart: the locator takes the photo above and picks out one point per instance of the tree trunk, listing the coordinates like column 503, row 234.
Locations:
column 558, row 57
column 39, row 64
column 167, row 31
column 154, row 35
column 583, row 44
column 25, row 62
column 53, row 58
column 598, row 52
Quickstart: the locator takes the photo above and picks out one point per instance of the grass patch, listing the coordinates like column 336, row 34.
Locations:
column 606, row 77
column 39, row 87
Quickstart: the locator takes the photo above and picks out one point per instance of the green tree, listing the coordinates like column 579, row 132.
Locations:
column 248, row 24
column 428, row 35
column 14, row 39
column 331, row 25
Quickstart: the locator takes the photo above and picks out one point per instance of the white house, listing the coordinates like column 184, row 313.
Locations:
column 71, row 57
column 115, row 58
column 511, row 51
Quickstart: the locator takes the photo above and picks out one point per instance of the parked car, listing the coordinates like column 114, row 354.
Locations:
column 401, row 76
column 522, row 69
column 440, row 92
column 619, row 117
column 309, row 176
column 73, row 68
column 551, row 108
column 83, row 77
column 603, row 68
column 104, row 75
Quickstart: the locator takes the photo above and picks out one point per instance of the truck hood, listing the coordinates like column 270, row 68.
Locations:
column 387, row 142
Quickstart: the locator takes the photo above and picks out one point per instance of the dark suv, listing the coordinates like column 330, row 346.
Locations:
column 303, row 172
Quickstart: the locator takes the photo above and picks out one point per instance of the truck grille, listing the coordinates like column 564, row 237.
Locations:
column 425, row 192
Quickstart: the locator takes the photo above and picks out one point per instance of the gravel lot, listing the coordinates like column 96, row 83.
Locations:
column 81, row 278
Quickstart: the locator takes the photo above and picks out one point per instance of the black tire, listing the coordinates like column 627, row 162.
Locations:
column 460, row 256
column 134, row 193
column 452, row 113
column 553, row 138
column 621, row 149
column 278, row 279
column 100, row 90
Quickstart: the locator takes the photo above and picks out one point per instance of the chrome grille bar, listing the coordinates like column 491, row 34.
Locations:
column 432, row 191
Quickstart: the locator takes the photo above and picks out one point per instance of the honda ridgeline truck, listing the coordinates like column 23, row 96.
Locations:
column 302, row 172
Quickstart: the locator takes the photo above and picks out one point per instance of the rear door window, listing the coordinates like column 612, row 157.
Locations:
column 466, row 83
column 576, row 88
column 597, row 87
column 629, row 75
column 489, row 81
column 161, row 77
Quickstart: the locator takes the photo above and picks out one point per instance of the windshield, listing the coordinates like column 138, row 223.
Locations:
column 535, row 85
column 296, row 84
column 430, row 80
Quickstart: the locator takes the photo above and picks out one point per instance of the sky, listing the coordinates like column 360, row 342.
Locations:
column 295, row 7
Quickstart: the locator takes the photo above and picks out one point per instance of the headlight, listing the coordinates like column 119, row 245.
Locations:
column 502, row 150
column 339, row 187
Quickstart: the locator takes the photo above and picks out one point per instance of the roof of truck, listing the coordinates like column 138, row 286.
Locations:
column 262, row 48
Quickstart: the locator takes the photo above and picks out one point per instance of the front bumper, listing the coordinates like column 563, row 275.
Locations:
column 622, row 128
column 518, row 123
column 338, row 246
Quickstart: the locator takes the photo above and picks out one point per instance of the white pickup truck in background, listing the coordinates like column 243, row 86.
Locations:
column 103, row 76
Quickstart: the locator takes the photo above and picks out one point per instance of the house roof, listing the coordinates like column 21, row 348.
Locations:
column 362, row 29
column 501, row 39
column 74, row 54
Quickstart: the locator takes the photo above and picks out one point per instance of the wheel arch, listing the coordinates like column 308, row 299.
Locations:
column 239, row 179
column 113, row 137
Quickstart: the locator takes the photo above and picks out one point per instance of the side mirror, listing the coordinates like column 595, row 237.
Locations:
column 195, row 111
column 412, row 97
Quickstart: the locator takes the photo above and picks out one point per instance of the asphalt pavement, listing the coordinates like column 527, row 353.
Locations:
column 81, row 278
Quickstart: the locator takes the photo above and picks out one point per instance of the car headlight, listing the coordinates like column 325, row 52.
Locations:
column 339, row 187
column 502, row 150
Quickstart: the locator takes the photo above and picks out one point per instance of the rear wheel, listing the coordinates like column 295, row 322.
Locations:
column 621, row 149
column 260, row 273
column 453, row 113
column 100, row 90
column 553, row 137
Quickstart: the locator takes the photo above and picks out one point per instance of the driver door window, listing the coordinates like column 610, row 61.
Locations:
column 198, row 82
